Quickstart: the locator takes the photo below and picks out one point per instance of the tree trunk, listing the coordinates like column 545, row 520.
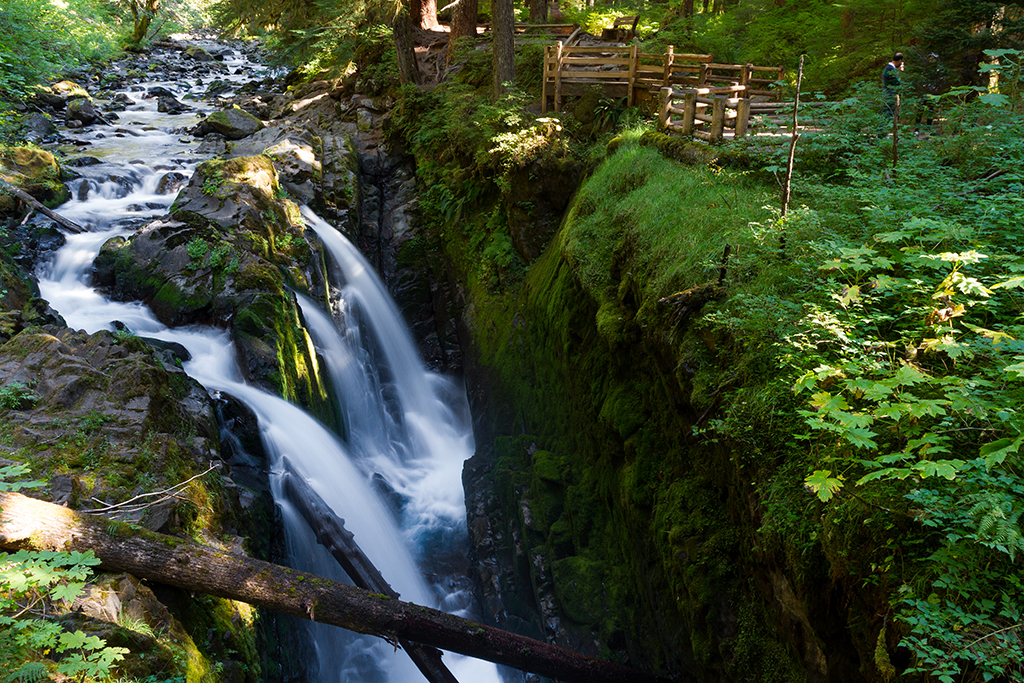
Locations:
column 463, row 25
column 538, row 11
column 142, row 17
column 504, row 45
column 687, row 8
column 401, row 28
column 424, row 14
column 29, row 524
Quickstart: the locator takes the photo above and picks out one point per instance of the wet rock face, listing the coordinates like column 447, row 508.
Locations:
column 231, row 250
column 543, row 192
column 120, row 385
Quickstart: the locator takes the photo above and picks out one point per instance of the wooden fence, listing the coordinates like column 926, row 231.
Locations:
column 729, row 105
column 622, row 71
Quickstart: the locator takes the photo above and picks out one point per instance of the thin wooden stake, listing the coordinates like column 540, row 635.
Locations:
column 895, row 131
column 788, row 181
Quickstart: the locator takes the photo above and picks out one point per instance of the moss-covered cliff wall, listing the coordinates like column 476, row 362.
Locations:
column 620, row 522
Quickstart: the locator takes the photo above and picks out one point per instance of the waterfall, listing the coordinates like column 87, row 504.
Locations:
column 407, row 431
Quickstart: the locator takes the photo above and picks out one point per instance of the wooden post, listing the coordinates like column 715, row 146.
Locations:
column 745, row 73
column 544, row 80
column 669, row 58
column 742, row 117
column 634, row 58
column 702, row 75
column 689, row 111
column 718, row 119
column 663, row 107
column 558, row 76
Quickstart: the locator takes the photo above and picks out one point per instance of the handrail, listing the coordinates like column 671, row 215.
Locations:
column 627, row 66
column 726, row 112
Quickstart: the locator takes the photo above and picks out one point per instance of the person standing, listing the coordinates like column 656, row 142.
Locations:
column 891, row 82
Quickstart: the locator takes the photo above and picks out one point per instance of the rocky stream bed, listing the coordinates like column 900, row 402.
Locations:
column 187, row 166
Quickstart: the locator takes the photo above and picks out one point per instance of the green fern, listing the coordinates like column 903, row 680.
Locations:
column 29, row 672
column 998, row 523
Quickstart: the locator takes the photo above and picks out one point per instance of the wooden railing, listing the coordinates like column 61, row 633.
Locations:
column 622, row 70
column 729, row 105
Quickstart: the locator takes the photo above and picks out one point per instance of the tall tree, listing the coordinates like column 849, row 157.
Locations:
column 538, row 11
column 504, row 44
column 401, row 31
column 142, row 15
column 424, row 14
column 463, row 24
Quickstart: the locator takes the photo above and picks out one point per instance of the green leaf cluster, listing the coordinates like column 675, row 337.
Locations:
column 32, row 643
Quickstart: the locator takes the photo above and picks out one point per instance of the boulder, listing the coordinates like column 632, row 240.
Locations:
column 170, row 105
column 234, row 124
column 57, row 95
column 232, row 249
column 37, row 126
column 198, row 53
column 81, row 109
column 35, row 171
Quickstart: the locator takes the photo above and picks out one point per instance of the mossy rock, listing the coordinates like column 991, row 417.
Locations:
column 579, row 585
column 679, row 149
column 234, row 123
column 35, row 171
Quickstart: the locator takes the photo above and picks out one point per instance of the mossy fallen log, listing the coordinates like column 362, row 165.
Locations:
column 29, row 524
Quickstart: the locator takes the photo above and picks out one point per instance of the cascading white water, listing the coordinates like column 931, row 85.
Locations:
column 416, row 439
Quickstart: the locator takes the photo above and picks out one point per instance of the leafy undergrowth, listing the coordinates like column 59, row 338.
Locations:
column 906, row 354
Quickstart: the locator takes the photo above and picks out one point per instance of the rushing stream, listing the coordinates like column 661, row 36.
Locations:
column 407, row 430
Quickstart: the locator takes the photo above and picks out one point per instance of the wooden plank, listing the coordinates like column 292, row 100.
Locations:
column 664, row 107
column 595, row 75
column 689, row 57
column 558, row 76
column 596, row 61
column 702, row 135
column 742, row 117
column 632, row 72
column 577, row 49
column 718, row 120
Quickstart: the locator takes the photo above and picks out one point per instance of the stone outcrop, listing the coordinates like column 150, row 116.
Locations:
column 111, row 418
column 232, row 123
column 230, row 250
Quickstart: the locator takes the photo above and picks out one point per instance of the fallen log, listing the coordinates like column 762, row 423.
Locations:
column 29, row 524
column 331, row 533
column 68, row 225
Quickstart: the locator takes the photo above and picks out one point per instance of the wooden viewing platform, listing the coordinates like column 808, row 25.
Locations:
column 622, row 71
